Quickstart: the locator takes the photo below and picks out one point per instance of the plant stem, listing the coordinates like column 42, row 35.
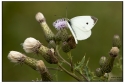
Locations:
column 54, row 68
column 71, row 62
column 71, row 74
column 61, row 56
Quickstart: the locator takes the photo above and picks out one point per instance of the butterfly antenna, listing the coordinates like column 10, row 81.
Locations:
column 66, row 12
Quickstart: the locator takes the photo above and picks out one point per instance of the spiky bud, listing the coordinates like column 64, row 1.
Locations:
column 61, row 25
column 65, row 47
column 49, row 35
column 45, row 75
column 116, row 41
column 31, row 45
column 114, row 52
column 16, row 57
column 99, row 72
column 62, row 35
column 102, row 61
column 108, row 65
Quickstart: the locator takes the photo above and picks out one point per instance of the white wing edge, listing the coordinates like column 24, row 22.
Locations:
column 72, row 33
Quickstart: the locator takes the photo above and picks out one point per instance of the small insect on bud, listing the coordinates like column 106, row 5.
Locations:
column 40, row 17
column 31, row 45
column 99, row 72
column 102, row 61
column 16, row 57
column 114, row 52
column 116, row 41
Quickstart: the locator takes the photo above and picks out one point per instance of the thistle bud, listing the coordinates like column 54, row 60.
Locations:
column 49, row 35
column 40, row 17
column 102, row 61
column 61, row 25
column 62, row 35
column 108, row 65
column 31, row 45
column 99, row 72
column 116, row 41
column 114, row 52
column 16, row 57
column 45, row 75
column 65, row 47
column 48, row 54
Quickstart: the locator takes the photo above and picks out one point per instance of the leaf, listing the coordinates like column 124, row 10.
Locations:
column 80, row 64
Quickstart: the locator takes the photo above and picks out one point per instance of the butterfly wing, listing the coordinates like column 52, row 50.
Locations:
column 81, row 26
column 84, row 23
column 72, row 31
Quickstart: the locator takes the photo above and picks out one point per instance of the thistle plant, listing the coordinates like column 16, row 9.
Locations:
column 64, row 41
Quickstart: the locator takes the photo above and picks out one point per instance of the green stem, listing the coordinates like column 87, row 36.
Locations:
column 61, row 56
column 71, row 62
column 71, row 74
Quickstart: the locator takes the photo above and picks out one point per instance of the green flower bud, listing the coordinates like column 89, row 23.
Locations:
column 99, row 72
column 48, row 54
column 116, row 41
column 65, row 47
column 49, row 35
column 58, row 36
column 102, row 61
column 52, row 44
column 45, row 75
column 64, row 35
column 108, row 66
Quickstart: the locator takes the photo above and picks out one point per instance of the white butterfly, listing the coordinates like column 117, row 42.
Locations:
column 81, row 26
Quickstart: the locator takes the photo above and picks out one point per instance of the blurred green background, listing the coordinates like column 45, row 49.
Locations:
column 18, row 23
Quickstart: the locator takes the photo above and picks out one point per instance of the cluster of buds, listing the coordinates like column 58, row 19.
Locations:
column 61, row 35
column 38, row 65
column 106, row 64
column 31, row 45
